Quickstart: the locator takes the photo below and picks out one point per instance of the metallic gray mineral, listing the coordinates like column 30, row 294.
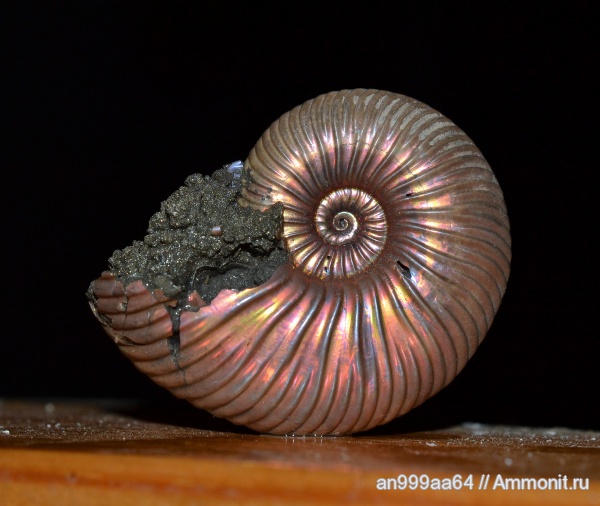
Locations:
column 202, row 240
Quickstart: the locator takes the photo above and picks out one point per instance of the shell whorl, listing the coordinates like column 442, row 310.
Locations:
column 400, row 253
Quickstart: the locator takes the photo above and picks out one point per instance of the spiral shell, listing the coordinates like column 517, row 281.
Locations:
column 399, row 249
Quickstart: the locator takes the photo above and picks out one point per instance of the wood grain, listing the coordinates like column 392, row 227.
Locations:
column 97, row 453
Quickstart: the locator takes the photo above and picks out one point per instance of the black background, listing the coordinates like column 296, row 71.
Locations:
column 109, row 106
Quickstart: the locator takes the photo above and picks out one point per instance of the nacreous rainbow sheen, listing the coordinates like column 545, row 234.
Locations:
column 400, row 253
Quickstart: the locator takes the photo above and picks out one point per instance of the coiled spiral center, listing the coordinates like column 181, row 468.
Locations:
column 345, row 226
column 352, row 230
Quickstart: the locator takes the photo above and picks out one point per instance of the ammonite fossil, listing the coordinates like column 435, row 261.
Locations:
column 361, row 253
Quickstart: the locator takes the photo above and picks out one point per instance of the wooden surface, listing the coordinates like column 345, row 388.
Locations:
column 115, row 453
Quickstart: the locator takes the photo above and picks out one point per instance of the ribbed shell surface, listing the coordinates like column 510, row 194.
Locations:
column 399, row 250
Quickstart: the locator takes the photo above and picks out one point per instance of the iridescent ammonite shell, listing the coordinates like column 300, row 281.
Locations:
column 399, row 255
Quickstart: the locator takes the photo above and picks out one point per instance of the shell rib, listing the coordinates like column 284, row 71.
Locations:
column 399, row 250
